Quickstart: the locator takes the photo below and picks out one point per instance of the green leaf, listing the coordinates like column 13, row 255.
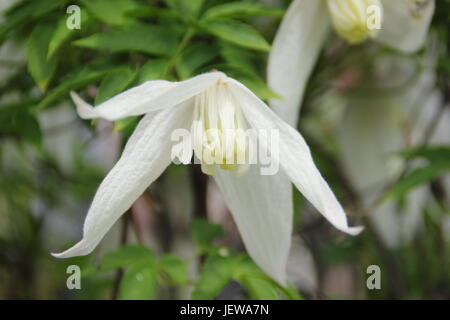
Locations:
column 216, row 273
column 241, row 10
column 416, row 178
column 257, row 284
column 115, row 82
column 16, row 121
column 174, row 268
column 438, row 158
column 112, row 12
column 27, row 12
column 259, row 288
column 254, row 82
column 40, row 67
column 432, row 154
column 194, row 57
column 126, row 256
column 239, row 58
column 236, row 32
column 149, row 39
column 138, row 283
column 189, row 8
column 152, row 70
column 74, row 81
column 126, row 125
column 62, row 34
column 204, row 232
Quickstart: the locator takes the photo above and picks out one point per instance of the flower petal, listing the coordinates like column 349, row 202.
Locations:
column 294, row 54
column 146, row 156
column 294, row 158
column 403, row 27
column 149, row 96
column 262, row 209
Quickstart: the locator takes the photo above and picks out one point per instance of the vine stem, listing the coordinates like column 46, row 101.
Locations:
column 184, row 42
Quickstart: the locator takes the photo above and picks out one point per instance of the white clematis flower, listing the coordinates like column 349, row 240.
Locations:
column 392, row 122
column 403, row 24
column 260, row 204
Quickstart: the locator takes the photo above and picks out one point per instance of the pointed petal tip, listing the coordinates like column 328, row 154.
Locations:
column 84, row 109
column 57, row 255
column 354, row 231
column 82, row 248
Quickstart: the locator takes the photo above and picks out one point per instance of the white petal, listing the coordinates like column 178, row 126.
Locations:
column 294, row 158
column 149, row 96
column 294, row 53
column 402, row 29
column 262, row 209
column 146, row 156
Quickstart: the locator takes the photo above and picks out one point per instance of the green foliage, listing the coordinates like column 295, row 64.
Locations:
column 149, row 39
column 112, row 12
column 195, row 57
column 40, row 66
column 219, row 270
column 126, row 256
column 138, row 283
column 173, row 269
column 241, row 10
column 154, row 69
column 204, row 232
column 141, row 271
column 236, row 32
column 62, row 34
column 189, row 8
column 437, row 163
column 114, row 82
column 73, row 81
column 27, row 12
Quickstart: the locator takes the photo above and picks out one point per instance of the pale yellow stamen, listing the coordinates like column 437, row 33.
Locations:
column 219, row 130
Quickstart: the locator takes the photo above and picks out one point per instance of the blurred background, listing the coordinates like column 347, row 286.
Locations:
column 377, row 121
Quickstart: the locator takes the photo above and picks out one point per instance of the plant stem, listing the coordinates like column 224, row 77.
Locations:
column 184, row 42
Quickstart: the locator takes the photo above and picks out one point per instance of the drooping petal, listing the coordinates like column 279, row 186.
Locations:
column 294, row 158
column 294, row 53
column 262, row 209
column 146, row 156
column 148, row 97
column 406, row 23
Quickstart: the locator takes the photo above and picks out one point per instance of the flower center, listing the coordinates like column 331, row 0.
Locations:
column 219, row 136
column 356, row 20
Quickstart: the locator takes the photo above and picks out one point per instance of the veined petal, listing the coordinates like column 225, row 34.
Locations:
column 149, row 96
column 146, row 156
column 262, row 209
column 406, row 23
column 294, row 53
column 294, row 158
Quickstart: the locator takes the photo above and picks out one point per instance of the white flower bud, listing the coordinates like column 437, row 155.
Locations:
column 356, row 20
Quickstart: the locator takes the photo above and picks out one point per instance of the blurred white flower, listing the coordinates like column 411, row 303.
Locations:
column 373, row 128
column 304, row 29
column 260, row 204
